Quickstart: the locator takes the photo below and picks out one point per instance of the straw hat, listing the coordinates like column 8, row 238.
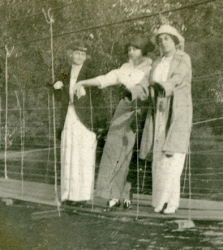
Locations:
column 170, row 30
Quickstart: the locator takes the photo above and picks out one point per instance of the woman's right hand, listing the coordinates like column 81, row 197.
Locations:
column 79, row 90
column 158, row 86
column 58, row 85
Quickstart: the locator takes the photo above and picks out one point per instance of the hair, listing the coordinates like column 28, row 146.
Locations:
column 145, row 47
column 143, row 50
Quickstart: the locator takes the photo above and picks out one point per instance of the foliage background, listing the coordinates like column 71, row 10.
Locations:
column 23, row 25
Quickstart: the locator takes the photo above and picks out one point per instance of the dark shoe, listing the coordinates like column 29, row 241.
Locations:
column 65, row 203
column 71, row 203
column 126, row 204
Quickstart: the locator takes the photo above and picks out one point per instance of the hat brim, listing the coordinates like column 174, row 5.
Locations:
column 175, row 38
column 83, row 49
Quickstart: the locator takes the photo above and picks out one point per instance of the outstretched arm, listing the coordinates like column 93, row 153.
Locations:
column 79, row 87
column 102, row 81
column 93, row 82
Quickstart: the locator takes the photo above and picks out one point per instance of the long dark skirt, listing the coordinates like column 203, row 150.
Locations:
column 117, row 154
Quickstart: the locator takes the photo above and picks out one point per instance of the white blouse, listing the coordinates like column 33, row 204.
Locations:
column 161, row 71
column 128, row 74
column 75, row 70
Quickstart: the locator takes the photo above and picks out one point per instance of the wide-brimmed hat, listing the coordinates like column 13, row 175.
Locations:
column 141, row 42
column 170, row 30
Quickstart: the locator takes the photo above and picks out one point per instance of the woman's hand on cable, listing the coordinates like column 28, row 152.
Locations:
column 125, row 92
column 79, row 90
column 158, row 86
column 58, row 85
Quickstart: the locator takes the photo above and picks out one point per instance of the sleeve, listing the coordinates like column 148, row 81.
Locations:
column 141, row 91
column 177, row 78
column 109, row 79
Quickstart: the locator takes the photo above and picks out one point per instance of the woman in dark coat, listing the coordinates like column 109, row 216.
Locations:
column 78, row 138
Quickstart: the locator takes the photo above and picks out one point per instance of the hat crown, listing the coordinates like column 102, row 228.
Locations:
column 78, row 45
column 168, row 29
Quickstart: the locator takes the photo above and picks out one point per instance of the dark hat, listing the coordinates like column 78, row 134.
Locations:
column 79, row 45
column 141, row 42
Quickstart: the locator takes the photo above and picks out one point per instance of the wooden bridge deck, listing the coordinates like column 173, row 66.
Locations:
column 44, row 194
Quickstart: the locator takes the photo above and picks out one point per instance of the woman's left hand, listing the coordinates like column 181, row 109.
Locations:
column 158, row 86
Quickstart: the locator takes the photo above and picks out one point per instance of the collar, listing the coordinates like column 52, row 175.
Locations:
column 75, row 66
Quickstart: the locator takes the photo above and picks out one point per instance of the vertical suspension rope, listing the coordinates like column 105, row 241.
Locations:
column 49, row 134
column 137, row 156
column 20, row 107
column 7, row 55
column 91, row 109
column 111, row 103
column 6, row 113
column 23, row 134
column 0, row 121
column 50, row 21
column 189, row 178
column 92, row 129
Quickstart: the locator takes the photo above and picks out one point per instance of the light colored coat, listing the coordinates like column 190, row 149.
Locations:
column 177, row 103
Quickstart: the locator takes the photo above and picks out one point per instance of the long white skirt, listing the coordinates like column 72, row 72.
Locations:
column 78, row 152
column 166, row 177
column 166, row 171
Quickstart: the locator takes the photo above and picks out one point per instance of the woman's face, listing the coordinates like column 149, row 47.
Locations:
column 134, row 53
column 78, row 57
column 166, row 44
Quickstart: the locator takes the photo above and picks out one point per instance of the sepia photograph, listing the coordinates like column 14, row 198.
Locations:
column 111, row 124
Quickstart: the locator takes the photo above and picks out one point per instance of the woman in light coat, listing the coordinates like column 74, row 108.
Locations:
column 168, row 124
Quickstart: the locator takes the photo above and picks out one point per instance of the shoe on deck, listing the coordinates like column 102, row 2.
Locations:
column 170, row 210
column 113, row 203
column 126, row 204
